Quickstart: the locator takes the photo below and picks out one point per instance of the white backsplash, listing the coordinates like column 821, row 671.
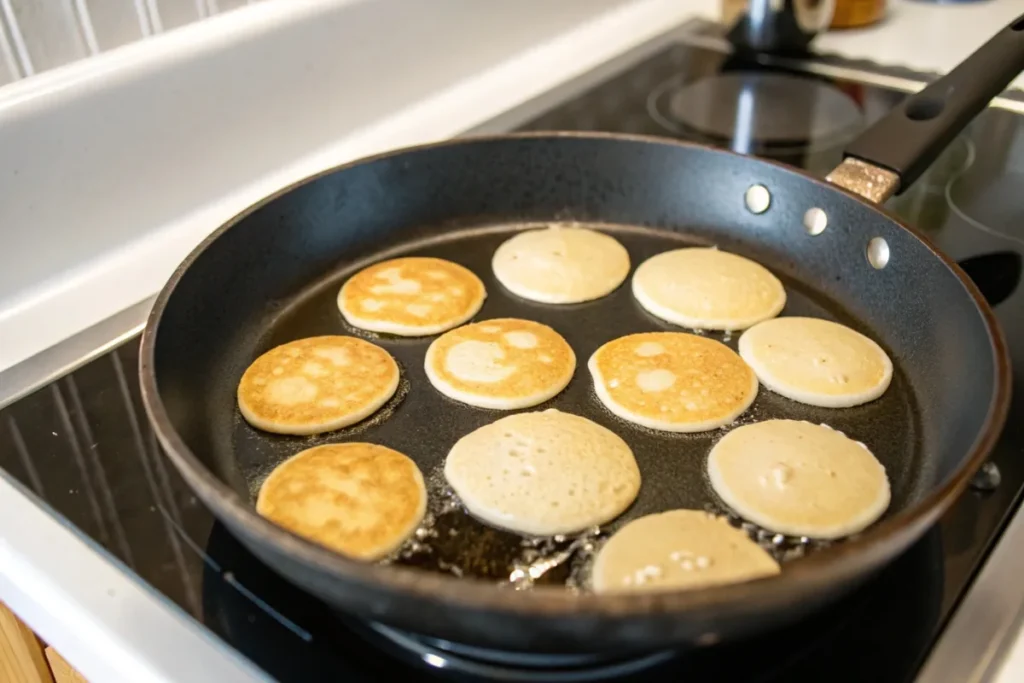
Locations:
column 38, row 35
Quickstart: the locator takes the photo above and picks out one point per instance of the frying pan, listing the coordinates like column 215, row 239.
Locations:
column 272, row 273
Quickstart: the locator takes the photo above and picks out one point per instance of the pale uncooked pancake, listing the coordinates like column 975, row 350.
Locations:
column 411, row 297
column 707, row 289
column 561, row 264
column 817, row 362
column 359, row 499
column 543, row 473
column 678, row 550
column 503, row 364
column 314, row 385
column 672, row 381
column 799, row 479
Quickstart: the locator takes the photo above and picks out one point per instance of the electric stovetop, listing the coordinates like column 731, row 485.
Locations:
column 82, row 443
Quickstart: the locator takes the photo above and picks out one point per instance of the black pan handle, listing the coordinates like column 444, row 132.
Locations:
column 910, row 137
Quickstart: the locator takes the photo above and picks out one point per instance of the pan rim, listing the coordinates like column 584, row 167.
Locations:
column 844, row 562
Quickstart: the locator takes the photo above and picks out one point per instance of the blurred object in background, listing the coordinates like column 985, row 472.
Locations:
column 775, row 26
column 39, row 35
column 857, row 13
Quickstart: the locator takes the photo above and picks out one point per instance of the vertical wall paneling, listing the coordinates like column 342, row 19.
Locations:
column 37, row 35
column 49, row 33
column 9, row 69
column 168, row 14
column 115, row 22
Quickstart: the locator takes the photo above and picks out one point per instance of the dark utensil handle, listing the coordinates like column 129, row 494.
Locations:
column 910, row 137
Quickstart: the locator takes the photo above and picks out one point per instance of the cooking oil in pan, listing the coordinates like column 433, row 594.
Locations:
column 424, row 425
column 541, row 555
column 439, row 544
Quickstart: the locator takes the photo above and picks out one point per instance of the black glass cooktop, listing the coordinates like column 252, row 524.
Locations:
column 82, row 443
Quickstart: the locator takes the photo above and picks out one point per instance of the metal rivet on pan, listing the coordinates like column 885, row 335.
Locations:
column 878, row 253
column 757, row 198
column 987, row 478
column 815, row 221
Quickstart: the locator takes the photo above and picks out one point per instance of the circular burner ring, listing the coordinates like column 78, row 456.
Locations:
column 757, row 112
column 488, row 664
column 987, row 201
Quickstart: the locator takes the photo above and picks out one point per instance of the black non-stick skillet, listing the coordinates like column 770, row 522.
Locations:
column 271, row 275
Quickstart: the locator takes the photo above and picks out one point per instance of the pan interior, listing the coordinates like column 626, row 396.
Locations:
column 272, row 275
column 423, row 424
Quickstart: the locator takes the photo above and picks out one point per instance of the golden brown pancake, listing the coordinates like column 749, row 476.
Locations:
column 501, row 364
column 678, row 550
column 798, row 478
column 315, row 385
column 359, row 499
column 672, row 381
column 411, row 297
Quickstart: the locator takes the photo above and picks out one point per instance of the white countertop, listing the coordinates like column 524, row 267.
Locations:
column 165, row 139
column 925, row 36
column 114, row 168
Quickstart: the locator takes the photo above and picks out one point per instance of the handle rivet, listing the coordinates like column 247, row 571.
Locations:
column 878, row 253
column 815, row 221
column 987, row 478
column 757, row 198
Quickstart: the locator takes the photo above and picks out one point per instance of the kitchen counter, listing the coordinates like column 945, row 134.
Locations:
column 114, row 168
column 161, row 141
column 925, row 36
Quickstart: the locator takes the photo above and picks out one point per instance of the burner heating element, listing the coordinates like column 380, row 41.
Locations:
column 758, row 112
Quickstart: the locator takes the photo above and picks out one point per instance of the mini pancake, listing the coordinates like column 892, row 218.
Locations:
column 817, row 362
column 672, row 381
column 411, row 297
column 315, row 385
column 561, row 264
column 543, row 473
column 707, row 289
column 359, row 499
column 501, row 364
column 678, row 550
column 799, row 479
